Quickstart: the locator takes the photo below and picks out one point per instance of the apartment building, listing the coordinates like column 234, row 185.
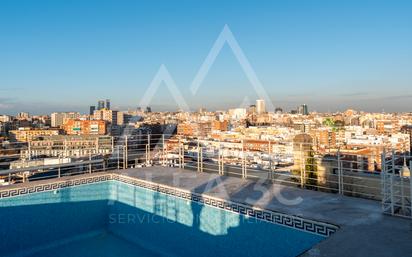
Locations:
column 85, row 127
column 28, row 134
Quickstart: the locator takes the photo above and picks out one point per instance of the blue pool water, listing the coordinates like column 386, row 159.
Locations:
column 116, row 219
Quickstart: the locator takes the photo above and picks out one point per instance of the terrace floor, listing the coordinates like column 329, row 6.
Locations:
column 364, row 230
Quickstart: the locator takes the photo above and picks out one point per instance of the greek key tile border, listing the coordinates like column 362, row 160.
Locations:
column 23, row 190
column 314, row 227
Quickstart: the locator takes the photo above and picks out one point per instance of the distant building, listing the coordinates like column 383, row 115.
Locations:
column 5, row 118
column 186, row 129
column 387, row 126
column 23, row 115
column 85, row 127
column 24, row 163
column 302, row 150
column 106, row 115
column 278, row 110
column 220, row 125
column 252, row 109
column 325, row 138
column 303, row 109
column 121, row 118
column 260, row 106
column 148, row 109
column 92, row 109
column 28, row 134
column 407, row 129
column 100, row 104
column 237, row 113
column 107, row 106
column 194, row 129
column 5, row 127
column 69, row 146
column 59, row 118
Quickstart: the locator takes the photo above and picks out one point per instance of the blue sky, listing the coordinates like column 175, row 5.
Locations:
column 65, row 55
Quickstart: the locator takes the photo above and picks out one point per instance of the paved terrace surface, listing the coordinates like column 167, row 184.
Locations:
column 364, row 230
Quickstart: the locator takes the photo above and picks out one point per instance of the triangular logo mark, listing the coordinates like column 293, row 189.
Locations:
column 163, row 75
column 226, row 36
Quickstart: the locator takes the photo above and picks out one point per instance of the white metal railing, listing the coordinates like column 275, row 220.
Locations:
column 396, row 186
column 366, row 176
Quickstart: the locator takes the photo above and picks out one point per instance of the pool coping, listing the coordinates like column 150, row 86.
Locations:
column 291, row 221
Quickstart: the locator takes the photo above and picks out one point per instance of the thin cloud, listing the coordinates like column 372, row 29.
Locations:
column 355, row 94
column 395, row 97
column 6, row 103
column 10, row 89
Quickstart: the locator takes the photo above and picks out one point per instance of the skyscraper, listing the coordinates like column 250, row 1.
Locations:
column 100, row 104
column 303, row 109
column 92, row 109
column 108, row 104
column 260, row 106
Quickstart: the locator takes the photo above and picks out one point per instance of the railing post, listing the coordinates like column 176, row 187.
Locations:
column 402, row 188
column 340, row 184
column 222, row 162
column 183, row 155
column 58, row 170
column 179, row 150
column 148, row 149
column 126, row 153
column 90, row 162
column 218, row 158
column 383, row 179
column 146, row 154
column 392, row 183
column 97, row 145
column 198, row 156
column 65, row 148
column 163, row 150
column 306, row 160
column 201, row 159
column 302, row 162
column 410, row 187
column 270, row 161
column 112, row 141
column 118, row 157
column 244, row 172
column 29, row 149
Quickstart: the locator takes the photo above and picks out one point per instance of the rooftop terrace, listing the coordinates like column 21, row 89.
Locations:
column 363, row 229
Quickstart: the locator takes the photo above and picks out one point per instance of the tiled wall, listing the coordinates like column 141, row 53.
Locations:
column 306, row 225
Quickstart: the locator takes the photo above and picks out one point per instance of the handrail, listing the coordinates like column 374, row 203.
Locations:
column 34, row 168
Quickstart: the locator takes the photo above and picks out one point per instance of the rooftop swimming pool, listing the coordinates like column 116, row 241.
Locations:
column 109, row 217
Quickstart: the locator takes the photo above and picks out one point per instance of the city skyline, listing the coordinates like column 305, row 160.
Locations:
column 84, row 110
column 360, row 59
column 247, row 128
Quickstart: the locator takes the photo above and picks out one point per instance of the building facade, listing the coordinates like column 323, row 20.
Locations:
column 28, row 134
column 85, row 127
